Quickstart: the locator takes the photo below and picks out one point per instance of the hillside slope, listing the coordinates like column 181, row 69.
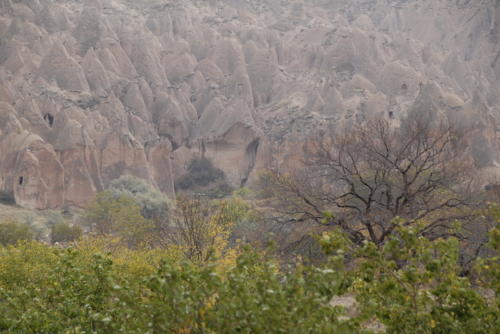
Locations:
column 92, row 89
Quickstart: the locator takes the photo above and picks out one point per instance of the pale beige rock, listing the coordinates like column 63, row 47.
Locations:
column 90, row 90
column 59, row 66
column 134, row 103
column 95, row 73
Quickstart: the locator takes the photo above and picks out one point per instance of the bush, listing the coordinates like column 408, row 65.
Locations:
column 120, row 216
column 410, row 285
column 53, row 218
column 11, row 232
column 414, row 285
column 202, row 228
column 184, row 182
column 154, row 206
column 201, row 172
column 153, row 203
column 64, row 232
column 220, row 190
column 74, row 292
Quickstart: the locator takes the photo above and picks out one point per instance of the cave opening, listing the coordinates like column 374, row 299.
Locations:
column 391, row 115
column 250, row 157
column 21, row 180
column 49, row 118
column 404, row 87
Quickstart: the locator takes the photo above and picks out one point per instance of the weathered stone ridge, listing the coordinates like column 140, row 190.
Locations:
column 93, row 89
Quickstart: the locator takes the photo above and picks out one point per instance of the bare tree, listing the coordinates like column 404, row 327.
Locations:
column 201, row 227
column 364, row 178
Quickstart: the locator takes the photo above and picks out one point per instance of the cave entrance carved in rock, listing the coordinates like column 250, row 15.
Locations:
column 49, row 118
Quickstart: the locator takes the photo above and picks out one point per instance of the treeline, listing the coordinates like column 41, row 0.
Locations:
column 409, row 285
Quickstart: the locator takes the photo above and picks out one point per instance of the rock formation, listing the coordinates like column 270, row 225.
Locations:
column 92, row 89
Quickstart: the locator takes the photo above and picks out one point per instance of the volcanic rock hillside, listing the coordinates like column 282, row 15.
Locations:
column 93, row 89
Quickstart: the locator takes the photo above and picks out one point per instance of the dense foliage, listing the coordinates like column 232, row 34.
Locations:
column 410, row 285
column 152, row 203
column 201, row 172
column 64, row 232
column 12, row 231
column 147, row 266
column 118, row 215
column 204, row 177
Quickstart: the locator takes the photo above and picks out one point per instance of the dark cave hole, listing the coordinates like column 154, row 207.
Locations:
column 21, row 180
column 391, row 115
column 404, row 87
column 49, row 119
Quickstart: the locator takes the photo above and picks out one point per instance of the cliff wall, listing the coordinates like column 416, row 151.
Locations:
column 93, row 89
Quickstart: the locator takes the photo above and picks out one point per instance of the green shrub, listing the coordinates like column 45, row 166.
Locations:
column 75, row 293
column 109, row 214
column 414, row 285
column 53, row 218
column 12, row 231
column 153, row 203
column 220, row 191
column 201, row 172
column 64, row 232
column 410, row 284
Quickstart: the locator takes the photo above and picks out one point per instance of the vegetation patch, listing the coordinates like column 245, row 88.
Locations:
column 12, row 231
column 203, row 177
column 411, row 284
column 65, row 232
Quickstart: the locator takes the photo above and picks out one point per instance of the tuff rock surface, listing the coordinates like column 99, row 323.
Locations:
column 92, row 89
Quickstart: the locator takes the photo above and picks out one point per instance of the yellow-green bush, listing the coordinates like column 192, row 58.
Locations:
column 25, row 262
column 410, row 285
column 201, row 282
column 121, row 216
column 12, row 231
column 64, row 232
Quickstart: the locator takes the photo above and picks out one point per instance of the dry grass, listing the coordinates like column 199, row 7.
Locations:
column 21, row 214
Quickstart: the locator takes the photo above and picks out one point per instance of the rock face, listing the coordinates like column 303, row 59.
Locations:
column 93, row 89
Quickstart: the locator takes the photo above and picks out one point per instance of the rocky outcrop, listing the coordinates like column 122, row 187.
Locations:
column 93, row 89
